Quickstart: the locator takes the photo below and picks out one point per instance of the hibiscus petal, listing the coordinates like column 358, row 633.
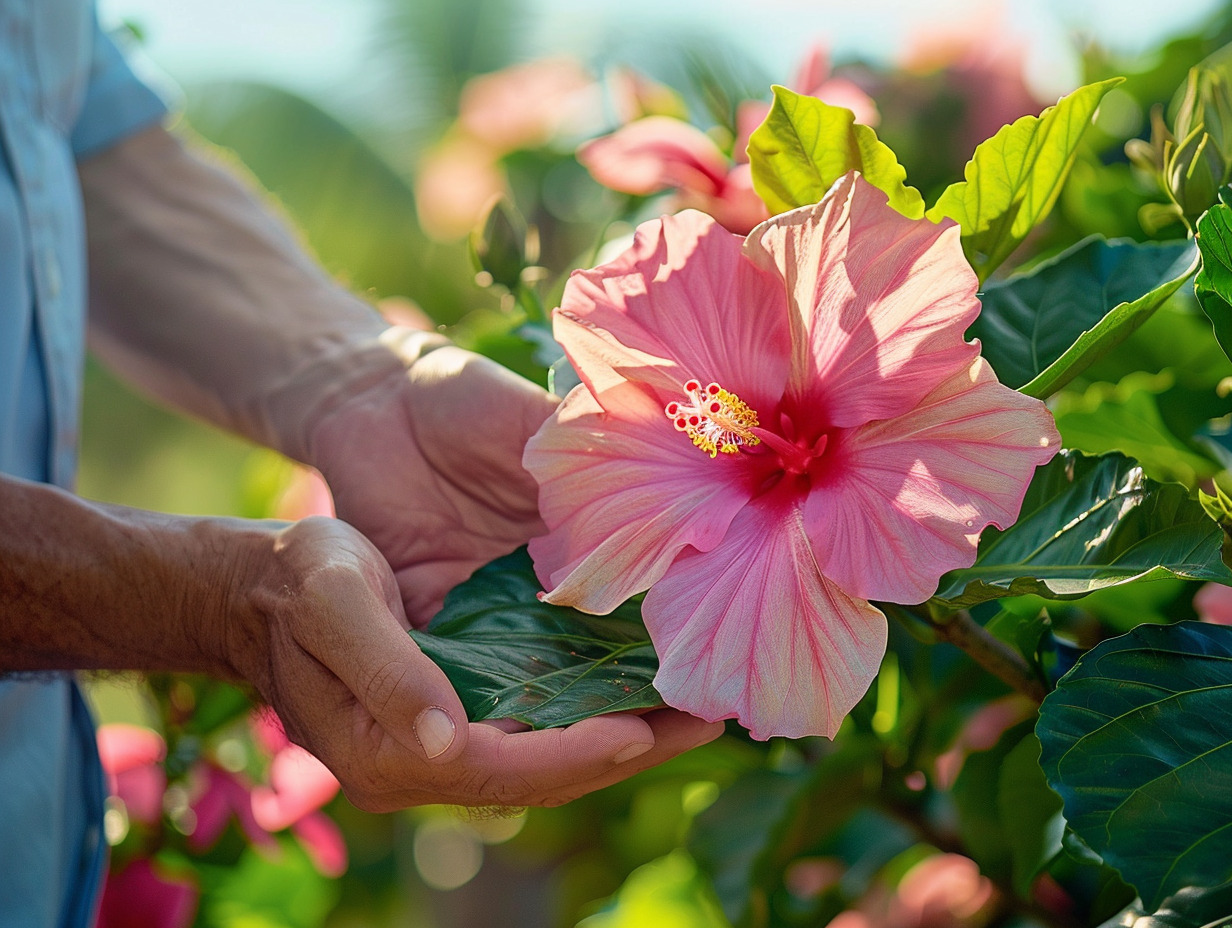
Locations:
column 878, row 302
column 621, row 492
column 752, row 630
column 680, row 303
column 905, row 499
column 653, row 154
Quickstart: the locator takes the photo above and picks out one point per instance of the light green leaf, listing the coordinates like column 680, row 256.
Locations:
column 1214, row 283
column 805, row 145
column 1088, row 523
column 1137, row 740
column 1041, row 330
column 667, row 891
column 1014, row 178
column 511, row 656
column 1126, row 417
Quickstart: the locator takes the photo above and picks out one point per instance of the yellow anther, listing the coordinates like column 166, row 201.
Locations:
column 714, row 419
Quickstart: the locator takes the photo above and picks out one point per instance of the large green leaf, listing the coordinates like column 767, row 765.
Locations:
column 1137, row 740
column 510, row 656
column 1089, row 523
column 1014, row 177
column 1214, row 283
column 805, row 145
column 1041, row 330
column 1190, row 908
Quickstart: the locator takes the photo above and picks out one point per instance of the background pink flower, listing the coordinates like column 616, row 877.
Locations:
column 1213, row 603
column 660, row 152
column 132, row 756
column 771, row 432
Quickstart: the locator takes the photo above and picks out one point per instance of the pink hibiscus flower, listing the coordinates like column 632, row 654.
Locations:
column 658, row 153
column 769, row 433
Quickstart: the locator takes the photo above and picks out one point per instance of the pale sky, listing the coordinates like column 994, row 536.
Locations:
column 318, row 46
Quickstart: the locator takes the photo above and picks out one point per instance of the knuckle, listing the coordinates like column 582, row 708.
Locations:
column 382, row 685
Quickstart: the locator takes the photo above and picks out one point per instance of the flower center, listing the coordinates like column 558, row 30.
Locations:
column 714, row 419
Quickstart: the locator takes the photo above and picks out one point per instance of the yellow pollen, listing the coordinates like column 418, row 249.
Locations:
column 714, row 419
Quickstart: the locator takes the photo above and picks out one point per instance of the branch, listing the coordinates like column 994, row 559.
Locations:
column 993, row 655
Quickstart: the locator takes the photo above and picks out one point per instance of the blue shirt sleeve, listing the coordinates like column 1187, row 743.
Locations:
column 117, row 103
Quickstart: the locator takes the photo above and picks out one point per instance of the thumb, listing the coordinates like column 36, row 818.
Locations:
column 361, row 637
column 408, row 695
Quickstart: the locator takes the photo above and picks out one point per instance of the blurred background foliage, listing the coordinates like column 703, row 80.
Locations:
column 778, row 848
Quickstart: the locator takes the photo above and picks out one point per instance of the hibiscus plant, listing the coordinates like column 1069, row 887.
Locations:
column 894, row 439
column 900, row 487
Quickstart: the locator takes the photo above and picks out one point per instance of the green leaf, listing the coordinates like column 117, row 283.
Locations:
column 1190, row 908
column 510, row 656
column 976, row 794
column 1029, row 813
column 764, row 820
column 1214, row 283
column 1137, row 740
column 805, row 145
column 264, row 889
column 666, row 891
column 1014, row 178
column 1088, row 523
column 1126, row 417
column 1042, row 329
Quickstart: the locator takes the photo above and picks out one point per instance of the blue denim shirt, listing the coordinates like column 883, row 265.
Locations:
column 65, row 93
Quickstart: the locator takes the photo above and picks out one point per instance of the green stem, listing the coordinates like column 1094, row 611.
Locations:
column 529, row 302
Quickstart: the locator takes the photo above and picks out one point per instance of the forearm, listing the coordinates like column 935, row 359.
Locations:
column 202, row 297
column 85, row 585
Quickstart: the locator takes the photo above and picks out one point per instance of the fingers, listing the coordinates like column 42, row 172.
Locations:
column 403, row 691
column 675, row 732
column 554, row 766
column 349, row 618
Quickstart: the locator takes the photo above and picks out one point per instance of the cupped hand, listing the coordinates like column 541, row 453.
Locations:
column 324, row 640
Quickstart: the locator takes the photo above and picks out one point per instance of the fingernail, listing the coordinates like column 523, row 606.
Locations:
column 630, row 751
column 434, row 730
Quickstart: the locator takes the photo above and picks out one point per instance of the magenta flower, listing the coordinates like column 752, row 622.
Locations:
column 142, row 895
column 770, row 432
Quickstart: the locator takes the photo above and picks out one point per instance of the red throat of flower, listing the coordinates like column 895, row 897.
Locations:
column 714, row 419
column 717, row 420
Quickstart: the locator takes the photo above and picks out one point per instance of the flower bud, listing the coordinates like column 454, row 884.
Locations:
column 1193, row 159
column 502, row 246
column 1199, row 160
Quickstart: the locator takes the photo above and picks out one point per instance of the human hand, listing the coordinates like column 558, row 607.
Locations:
column 427, row 463
column 321, row 633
